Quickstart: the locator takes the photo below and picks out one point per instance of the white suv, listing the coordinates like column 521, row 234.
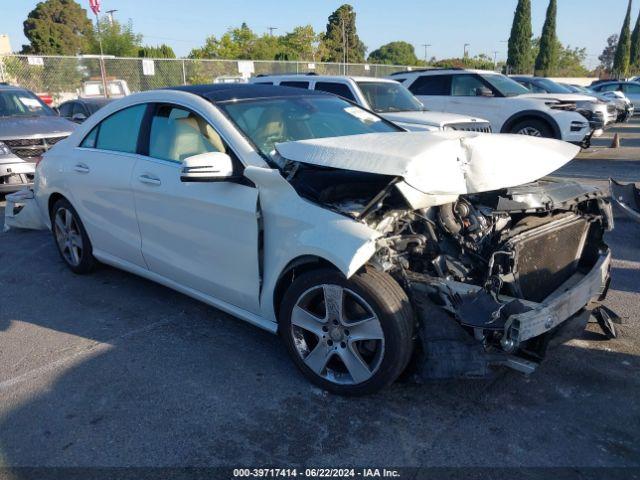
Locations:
column 387, row 98
column 498, row 99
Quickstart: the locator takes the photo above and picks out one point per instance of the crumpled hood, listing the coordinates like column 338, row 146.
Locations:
column 436, row 119
column 442, row 163
column 25, row 127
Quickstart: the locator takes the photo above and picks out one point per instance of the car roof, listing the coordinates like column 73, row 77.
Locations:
column 6, row 88
column 321, row 78
column 224, row 92
column 442, row 70
column 101, row 101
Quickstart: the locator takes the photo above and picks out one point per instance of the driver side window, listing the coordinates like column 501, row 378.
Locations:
column 177, row 133
column 466, row 86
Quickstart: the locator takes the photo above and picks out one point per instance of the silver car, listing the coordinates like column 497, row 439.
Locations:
column 630, row 89
column 28, row 128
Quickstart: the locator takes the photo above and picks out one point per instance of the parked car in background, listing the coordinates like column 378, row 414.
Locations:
column 630, row 89
column 28, row 128
column 358, row 242
column 82, row 108
column 387, row 98
column 499, row 99
column 95, row 88
column 600, row 113
column 624, row 107
column 230, row 79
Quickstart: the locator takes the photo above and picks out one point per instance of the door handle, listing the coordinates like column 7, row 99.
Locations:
column 81, row 168
column 150, row 180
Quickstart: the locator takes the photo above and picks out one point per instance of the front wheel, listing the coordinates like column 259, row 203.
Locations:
column 533, row 128
column 350, row 337
column 71, row 238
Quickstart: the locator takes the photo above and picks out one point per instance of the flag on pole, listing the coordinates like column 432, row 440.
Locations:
column 95, row 6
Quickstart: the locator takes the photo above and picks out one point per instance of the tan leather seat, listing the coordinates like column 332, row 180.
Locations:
column 177, row 139
column 271, row 125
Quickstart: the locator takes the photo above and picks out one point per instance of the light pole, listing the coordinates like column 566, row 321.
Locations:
column 110, row 14
column 466, row 49
column 271, row 29
column 495, row 59
column 426, row 57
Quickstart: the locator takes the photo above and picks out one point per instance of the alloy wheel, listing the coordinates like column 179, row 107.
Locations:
column 337, row 334
column 68, row 236
column 530, row 131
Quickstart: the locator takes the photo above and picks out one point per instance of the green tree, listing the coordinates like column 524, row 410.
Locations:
column 394, row 53
column 341, row 36
column 623, row 52
column 570, row 60
column 609, row 53
column 117, row 39
column 57, row 27
column 302, row 43
column 519, row 58
column 547, row 58
column 160, row 51
column 635, row 46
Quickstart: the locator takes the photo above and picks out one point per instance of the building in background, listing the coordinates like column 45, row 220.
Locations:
column 5, row 45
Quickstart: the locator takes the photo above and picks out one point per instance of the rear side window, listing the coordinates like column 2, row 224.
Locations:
column 119, row 132
column 629, row 88
column 263, row 83
column 339, row 89
column 431, row 85
column 293, row 84
column 612, row 87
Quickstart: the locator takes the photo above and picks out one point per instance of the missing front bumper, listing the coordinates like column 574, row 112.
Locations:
column 22, row 211
column 453, row 351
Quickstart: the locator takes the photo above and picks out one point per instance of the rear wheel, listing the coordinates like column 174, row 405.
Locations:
column 71, row 238
column 351, row 337
column 533, row 128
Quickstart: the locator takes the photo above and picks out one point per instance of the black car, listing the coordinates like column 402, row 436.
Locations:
column 82, row 108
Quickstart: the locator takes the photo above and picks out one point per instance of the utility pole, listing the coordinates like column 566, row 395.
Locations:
column 344, row 45
column 426, row 57
column 271, row 29
column 495, row 59
column 466, row 49
column 110, row 14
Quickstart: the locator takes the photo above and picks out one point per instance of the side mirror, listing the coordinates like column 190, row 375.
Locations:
column 79, row 117
column 207, row 167
column 484, row 92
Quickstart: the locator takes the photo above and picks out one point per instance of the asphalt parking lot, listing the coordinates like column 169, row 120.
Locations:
column 112, row 370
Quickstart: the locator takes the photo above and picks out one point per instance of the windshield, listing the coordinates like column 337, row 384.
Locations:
column 22, row 103
column 275, row 120
column 549, row 86
column 386, row 97
column 504, row 85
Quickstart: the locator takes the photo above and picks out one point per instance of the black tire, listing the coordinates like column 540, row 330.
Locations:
column 392, row 309
column 85, row 259
column 533, row 124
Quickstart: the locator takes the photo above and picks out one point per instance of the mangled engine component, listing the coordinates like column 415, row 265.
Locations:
column 487, row 273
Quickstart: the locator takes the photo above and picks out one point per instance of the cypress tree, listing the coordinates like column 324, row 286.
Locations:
column 519, row 58
column 635, row 46
column 623, row 52
column 547, row 60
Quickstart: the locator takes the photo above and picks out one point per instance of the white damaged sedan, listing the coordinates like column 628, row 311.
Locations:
column 362, row 245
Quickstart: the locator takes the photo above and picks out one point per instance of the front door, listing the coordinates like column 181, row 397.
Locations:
column 201, row 235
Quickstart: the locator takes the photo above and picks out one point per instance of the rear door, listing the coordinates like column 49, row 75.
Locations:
column 99, row 179
column 203, row 236
column 433, row 91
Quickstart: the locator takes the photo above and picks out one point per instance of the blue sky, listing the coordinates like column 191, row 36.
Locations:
column 445, row 24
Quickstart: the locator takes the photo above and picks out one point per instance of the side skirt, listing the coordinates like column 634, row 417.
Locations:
column 240, row 313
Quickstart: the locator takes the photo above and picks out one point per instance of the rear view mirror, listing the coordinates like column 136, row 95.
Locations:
column 207, row 167
column 79, row 117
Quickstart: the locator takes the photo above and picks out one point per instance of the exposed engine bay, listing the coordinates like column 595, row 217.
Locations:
column 474, row 265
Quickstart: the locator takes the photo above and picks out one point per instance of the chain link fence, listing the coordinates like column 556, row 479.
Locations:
column 65, row 77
